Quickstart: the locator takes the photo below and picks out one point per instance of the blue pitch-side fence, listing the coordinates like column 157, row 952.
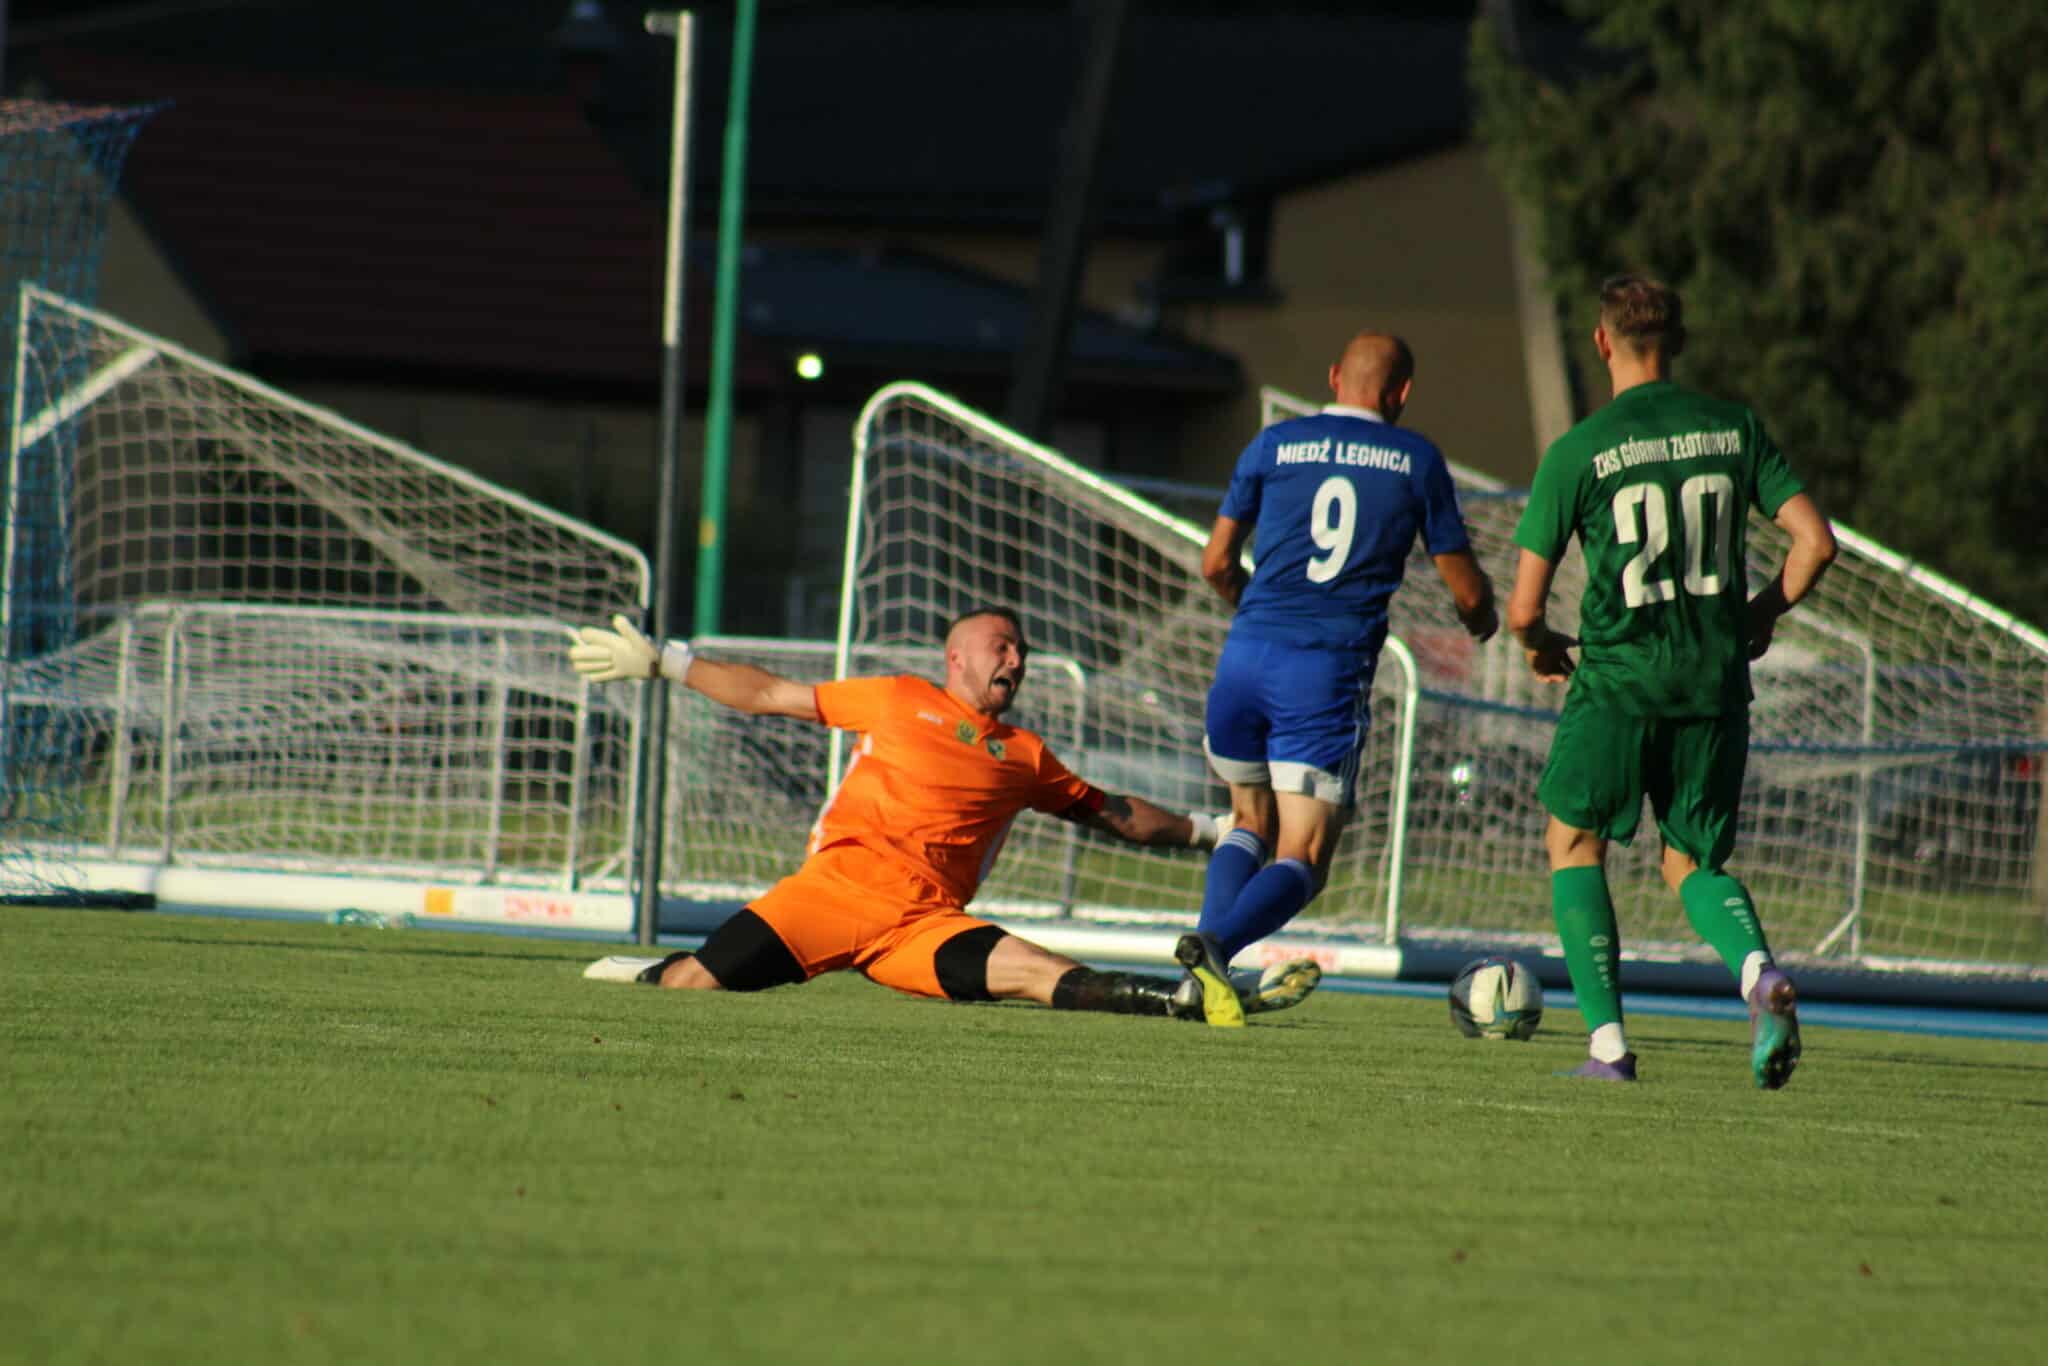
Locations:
column 2015, row 744
column 1951, row 1022
column 61, row 165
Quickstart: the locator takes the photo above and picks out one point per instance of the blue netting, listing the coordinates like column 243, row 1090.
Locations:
column 59, row 166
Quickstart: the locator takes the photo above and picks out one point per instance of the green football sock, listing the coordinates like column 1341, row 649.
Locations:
column 1592, row 941
column 1722, row 914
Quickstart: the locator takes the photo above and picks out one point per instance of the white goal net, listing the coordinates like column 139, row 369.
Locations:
column 1893, row 808
column 1893, row 812
column 744, row 790
column 282, row 641
column 951, row 511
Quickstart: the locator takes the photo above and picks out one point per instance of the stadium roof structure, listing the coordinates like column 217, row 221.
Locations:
column 909, row 312
column 955, row 117
column 478, row 185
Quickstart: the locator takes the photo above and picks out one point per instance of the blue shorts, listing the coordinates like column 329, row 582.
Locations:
column 1290, row 718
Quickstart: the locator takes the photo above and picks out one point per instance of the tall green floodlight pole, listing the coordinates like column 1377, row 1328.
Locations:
column 668, row 501
column 725, row 305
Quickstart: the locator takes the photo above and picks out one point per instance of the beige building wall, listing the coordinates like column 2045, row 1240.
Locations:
column 1424, row 250
column 593, row 461
column 590, row 460
column 139, row 287
column 1116, row 266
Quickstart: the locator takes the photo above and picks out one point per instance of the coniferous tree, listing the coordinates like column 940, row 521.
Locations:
column 1853, row 199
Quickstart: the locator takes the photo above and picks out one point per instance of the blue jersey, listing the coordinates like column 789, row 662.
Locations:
column 1336, row 500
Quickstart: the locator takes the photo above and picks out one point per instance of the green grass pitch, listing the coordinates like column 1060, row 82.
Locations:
column 243, row 1141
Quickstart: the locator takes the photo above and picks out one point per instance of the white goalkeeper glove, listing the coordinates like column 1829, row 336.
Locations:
column 623, row 652
column 1209, row 828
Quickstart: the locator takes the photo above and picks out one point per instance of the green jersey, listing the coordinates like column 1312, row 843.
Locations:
column 1658, row 486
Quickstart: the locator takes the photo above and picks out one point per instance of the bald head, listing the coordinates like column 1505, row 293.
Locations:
column 1375, row 371
column 985, row 653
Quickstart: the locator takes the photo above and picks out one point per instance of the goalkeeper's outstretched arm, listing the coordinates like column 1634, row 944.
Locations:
column 606, row 656
column 1137, row 821
column 744, row 687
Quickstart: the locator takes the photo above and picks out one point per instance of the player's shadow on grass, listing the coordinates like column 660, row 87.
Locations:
column 385, row 946
column 1837, row 1053
column 1922, row 1060
column 1287, row 1020
column 1667, row 1043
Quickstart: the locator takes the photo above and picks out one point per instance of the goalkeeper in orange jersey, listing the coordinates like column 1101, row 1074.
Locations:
column 916, row 823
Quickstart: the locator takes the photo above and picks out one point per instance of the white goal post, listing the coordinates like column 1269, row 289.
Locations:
column 1892, row 813
column 951, row 510
column 281, row 647
column 249, row 636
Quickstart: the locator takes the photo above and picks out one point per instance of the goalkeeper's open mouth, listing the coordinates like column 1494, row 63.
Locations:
column 1006, row 680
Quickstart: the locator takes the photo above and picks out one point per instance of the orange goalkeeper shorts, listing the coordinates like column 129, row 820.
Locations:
column 849, row 907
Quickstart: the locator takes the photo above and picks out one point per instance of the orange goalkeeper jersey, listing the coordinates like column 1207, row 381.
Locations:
column 933, row 784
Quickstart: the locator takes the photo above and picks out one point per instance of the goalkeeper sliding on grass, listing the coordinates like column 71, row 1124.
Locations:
column 916, row 823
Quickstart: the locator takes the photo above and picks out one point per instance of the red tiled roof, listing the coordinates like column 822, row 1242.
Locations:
column 42, row 116
column 341, row 222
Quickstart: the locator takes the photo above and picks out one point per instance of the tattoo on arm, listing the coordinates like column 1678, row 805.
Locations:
column 1112, row 818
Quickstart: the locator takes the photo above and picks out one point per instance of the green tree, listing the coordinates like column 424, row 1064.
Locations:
column 1853, row 197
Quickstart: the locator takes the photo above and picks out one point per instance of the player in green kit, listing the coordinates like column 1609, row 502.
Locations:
column 1657, row 486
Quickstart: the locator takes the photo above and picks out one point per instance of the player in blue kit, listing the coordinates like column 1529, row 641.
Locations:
column 1331, row 503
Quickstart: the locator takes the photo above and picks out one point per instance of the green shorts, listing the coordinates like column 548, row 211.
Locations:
column 1603, row 763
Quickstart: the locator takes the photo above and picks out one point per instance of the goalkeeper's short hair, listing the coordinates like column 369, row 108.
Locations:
column 1016, row 622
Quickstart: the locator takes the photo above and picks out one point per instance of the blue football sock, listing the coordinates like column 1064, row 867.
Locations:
column 1238, row 856
column 1267, row 902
